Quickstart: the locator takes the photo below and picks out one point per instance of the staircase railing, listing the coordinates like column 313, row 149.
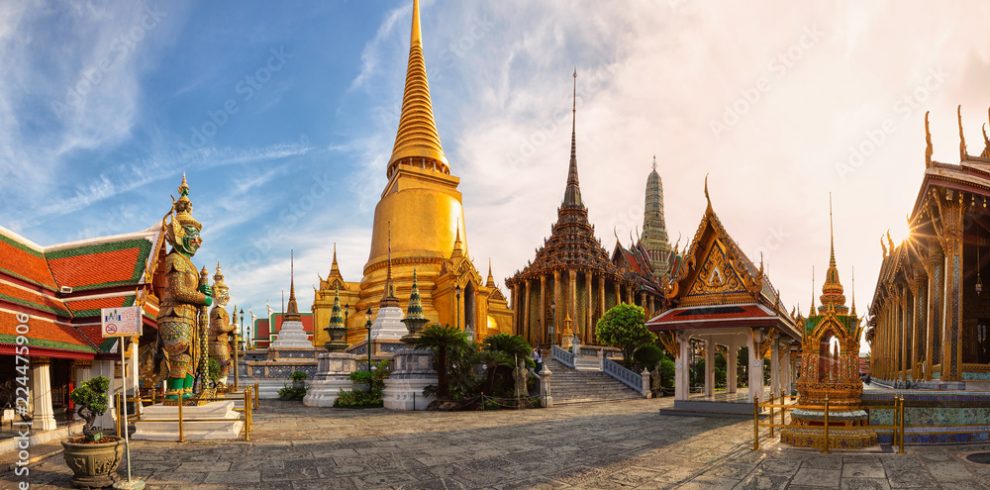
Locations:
column 562, row 356
column 625, row 376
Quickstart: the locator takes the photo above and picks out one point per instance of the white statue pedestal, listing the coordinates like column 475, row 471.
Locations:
column 388, row 324
column 333, row 375
column 191, row 429
column 412, row 370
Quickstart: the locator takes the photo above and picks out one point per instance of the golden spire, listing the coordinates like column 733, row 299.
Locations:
column 854, row 291
column 334, row 268
column 458, row 244
column 490, row 282
column 832, row 289
column 292, row 312
column 812, row 292
column 963, row 154
column 572, row 193
column 417, row 142
column 928, row 142
column 389, row 299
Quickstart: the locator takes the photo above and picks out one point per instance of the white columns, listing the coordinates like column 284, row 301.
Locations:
column 755, row 371
column 105, row 368
column 682, row 382
column 709, row 367
column 41, row 392
column 731, row 360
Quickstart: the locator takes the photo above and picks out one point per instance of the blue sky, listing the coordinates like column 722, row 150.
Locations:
column 283, row 115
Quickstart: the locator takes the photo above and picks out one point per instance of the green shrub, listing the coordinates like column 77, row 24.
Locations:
column 298, row 376
column 292, row 393
column 91, row 401
column 647, row 356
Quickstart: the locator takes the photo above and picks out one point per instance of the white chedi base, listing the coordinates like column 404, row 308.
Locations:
column 192, row 430
column 388, row 324
column 291, row 336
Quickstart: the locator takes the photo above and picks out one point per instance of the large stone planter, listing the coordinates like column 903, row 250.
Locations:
column 93, row 465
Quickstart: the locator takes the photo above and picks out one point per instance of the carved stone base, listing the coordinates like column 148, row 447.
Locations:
column 412, row 372
column 93, row 465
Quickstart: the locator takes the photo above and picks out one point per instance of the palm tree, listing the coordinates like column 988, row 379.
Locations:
column 502, row 350
column 442, row 341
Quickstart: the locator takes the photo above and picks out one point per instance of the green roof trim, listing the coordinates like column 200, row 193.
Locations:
column 144, row 250
column 16, row 244
column 128, row 301
column 48, row 344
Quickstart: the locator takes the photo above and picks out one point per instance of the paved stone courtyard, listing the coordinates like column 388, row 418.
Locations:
column 605, row 445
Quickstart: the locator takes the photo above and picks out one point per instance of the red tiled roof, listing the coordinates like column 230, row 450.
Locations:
column 44, row 334
column 91, row 307
column 100, row 265
column 24, row 262
column 710, row 316
column 31, row 299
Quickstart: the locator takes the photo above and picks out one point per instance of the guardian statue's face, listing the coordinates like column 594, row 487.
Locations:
column 191, row 241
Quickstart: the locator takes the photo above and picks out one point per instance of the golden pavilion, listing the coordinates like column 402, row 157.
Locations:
column 420, row 207
column 829, row 372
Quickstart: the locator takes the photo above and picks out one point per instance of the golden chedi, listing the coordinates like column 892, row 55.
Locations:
column 829, row 372
column 422, row 205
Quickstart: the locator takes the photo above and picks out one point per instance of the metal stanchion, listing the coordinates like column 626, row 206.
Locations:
column 773, row 400
column 182, row 435
column 756, row 423
column 825, row 442
column 116, row 411
column 901, row 419
column 247, row 413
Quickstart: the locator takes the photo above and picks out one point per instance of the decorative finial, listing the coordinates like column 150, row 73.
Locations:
column 853, row 290
column 883, row 245
column 292, row 313
column 388, row 297
column 963, row 154
column 890, row 241
column 831, row 234
column 707, row 197
column 812, row 292
column 928, row 142
column 654, row 163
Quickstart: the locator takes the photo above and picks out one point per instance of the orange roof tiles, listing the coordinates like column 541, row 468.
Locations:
column 24, row 263
column 43, row 333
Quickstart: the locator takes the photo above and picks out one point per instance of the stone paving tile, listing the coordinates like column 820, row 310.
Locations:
column 600, row 446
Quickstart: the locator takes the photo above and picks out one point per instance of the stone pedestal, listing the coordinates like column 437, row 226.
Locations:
column 546, row 400
column 412, row 371
column 332, row 377
column 191, row 429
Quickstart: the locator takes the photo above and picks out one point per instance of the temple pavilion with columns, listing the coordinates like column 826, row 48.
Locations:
column 722, row 300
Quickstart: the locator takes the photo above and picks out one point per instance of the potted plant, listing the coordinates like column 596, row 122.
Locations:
column 93, row 457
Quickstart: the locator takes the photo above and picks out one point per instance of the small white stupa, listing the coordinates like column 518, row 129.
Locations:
column 292, row 335
column 388, row 323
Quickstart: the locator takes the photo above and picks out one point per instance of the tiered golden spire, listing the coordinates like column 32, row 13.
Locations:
column 417, row 141
column 832, row 291
column 572, row 193
column 389, row 299
column 292, row 312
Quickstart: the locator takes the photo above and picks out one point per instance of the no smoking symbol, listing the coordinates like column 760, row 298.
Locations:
column 111, row 328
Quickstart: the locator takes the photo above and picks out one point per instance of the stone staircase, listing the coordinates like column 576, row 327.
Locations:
column 572, row 386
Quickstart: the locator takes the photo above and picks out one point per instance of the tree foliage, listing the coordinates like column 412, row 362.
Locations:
column 92, row 401
column 452, row 348
column 624, row 326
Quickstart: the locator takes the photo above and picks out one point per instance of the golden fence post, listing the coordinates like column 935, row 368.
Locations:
column 772, row 401
column 756, row 423
column 901, row 419
column 182, row 435
column 895, row 423
column 116, row 409
column 825, row 442
column 783, row 410
column 257, row 395
column 247, row 413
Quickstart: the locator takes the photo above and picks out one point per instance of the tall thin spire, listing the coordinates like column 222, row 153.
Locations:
column 812, row 292
column 417, row 141
column 832, row 291
column 654, row 237
column 572, row 196
column 963, row 153
column 831, row 234
column 292, row 313
column 854, row 291
column 388, row 297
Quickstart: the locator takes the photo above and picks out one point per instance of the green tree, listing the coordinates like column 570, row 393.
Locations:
column 624, row 326
column 499, row 357
column 448, row 344
column 647, row 356
column 92, row 401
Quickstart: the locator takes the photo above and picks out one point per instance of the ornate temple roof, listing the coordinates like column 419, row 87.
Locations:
column 64, row 286
column 572, row 244
column 417, row 139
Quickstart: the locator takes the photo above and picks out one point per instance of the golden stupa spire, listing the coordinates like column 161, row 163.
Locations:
column 417, row 142
column 389, row 299
column 832, row 289
column 292, row 312
column 490, row 281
